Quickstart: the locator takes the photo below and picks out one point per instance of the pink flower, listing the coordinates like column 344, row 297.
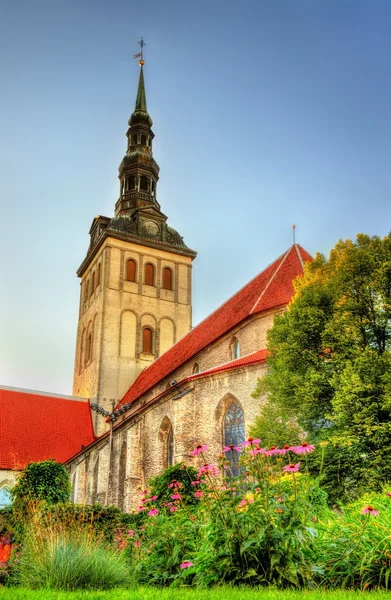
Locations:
column 388, row 494
column 250, row 442
column 153, row 512
column 176, row 497
column 131, row 532
column 186, row 564
column 137, row 544
column 153, row 498
column 200, row 448
column 369, row 510
column 303, row 448
column 208, row 469
column 141, row 508
column 195, row 482
column 173, row 508
column 272, row 451
column 231, row 448
column 292, row 468
column 198, row 494
column 242, row 502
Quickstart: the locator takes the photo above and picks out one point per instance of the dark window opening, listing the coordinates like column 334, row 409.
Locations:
column 147, row 340
column 131, row 270
column 143, row 140
column 144, row 183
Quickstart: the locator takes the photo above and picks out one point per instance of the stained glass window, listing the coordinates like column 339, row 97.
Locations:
column 234, row 433
column 5, row 497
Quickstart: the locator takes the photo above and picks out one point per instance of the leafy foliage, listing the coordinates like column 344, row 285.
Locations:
column 183, row 474
column 47, row 481
column 329, row 364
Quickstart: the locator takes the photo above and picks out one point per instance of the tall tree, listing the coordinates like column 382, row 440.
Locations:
column 330, row 356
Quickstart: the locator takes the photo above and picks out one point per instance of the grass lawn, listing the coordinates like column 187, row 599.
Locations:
column 193, row 594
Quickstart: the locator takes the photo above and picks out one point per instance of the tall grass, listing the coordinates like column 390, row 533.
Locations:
column 62, row 556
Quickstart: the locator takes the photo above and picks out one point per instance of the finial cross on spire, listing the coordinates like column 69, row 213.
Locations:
column 140, row 54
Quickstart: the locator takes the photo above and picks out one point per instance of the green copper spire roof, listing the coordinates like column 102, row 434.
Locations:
column 141, row 101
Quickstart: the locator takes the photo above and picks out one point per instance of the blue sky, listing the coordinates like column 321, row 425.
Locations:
column 266, row 113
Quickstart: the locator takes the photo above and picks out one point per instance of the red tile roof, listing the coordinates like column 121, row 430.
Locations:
column 272, row 288
column 35, row 426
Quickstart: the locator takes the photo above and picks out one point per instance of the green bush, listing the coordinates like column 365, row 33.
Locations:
column 159, row 486
column 46, row 481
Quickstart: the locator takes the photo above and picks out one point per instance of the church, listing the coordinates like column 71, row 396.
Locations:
column 147, row 386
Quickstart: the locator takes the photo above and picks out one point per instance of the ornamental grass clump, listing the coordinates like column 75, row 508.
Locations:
column 65, row 557
column 252, row 523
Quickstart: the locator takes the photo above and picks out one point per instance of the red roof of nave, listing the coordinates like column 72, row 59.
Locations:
column 35, row 426
column 244, row 361
column 272, row 288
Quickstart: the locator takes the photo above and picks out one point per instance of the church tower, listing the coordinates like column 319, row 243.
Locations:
column 135, row 296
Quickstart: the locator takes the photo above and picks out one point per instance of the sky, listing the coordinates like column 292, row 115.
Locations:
column 267, row 113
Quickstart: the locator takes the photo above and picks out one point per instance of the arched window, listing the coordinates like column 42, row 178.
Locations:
column 82, row 350
column 235, row 348
column 131, row 270
column 86, row 290
column 233, row 433
column 166, row 438
column 143, row 140
column 196, row 368
column 170, row 448
column 89, row 348
column 134, row 138
column 167, row 278
column 147, row 340
column 144, row 183
column 92, row 284
column 99, row 273
column 131, row 182
column 5, row 496
column 149, row 274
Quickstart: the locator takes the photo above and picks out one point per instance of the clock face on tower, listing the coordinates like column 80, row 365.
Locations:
column 151, row 228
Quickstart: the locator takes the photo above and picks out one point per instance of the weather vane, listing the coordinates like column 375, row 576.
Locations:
column 294, row 233
column 140, row 54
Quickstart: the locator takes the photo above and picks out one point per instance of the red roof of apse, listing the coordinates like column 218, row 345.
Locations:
column 273, row 287
column 35, row 426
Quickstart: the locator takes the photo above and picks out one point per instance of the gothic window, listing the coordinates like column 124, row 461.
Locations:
column 82, row 350
column 167, row 278
column 98, row 275
column 170, row 448
column 147, row 340
column 92, row 284
column 149, row 274
column 166, row 438
column 143, row 140
column 144, row 183
column 131, row 270
column 196, row 368
column 86, row 290
column 89, row 348
column 233, row 433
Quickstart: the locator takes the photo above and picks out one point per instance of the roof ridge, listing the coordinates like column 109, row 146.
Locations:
column 299, row 255
column 9, row 388
column 282, row 257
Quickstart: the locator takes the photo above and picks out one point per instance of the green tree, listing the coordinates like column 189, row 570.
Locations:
column 329, row 364
column 47, row 481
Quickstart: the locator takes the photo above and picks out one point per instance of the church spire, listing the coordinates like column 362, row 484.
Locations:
column 141, row 101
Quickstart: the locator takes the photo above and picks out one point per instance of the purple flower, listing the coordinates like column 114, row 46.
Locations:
column 199, row 448
column 292, row 468
column 186, row 564
column 370, row 511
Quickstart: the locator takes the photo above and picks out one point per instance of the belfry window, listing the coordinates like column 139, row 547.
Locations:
column 149, row 274
column 131, row 270
column 143, row 140
column 233, row 433
column 147, row 340
column 134, row 140
column 167, row 278
column 144, row 183
column 131, row 182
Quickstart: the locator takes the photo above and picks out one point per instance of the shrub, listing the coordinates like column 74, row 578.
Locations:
column 159, row 486
column 47, row 481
